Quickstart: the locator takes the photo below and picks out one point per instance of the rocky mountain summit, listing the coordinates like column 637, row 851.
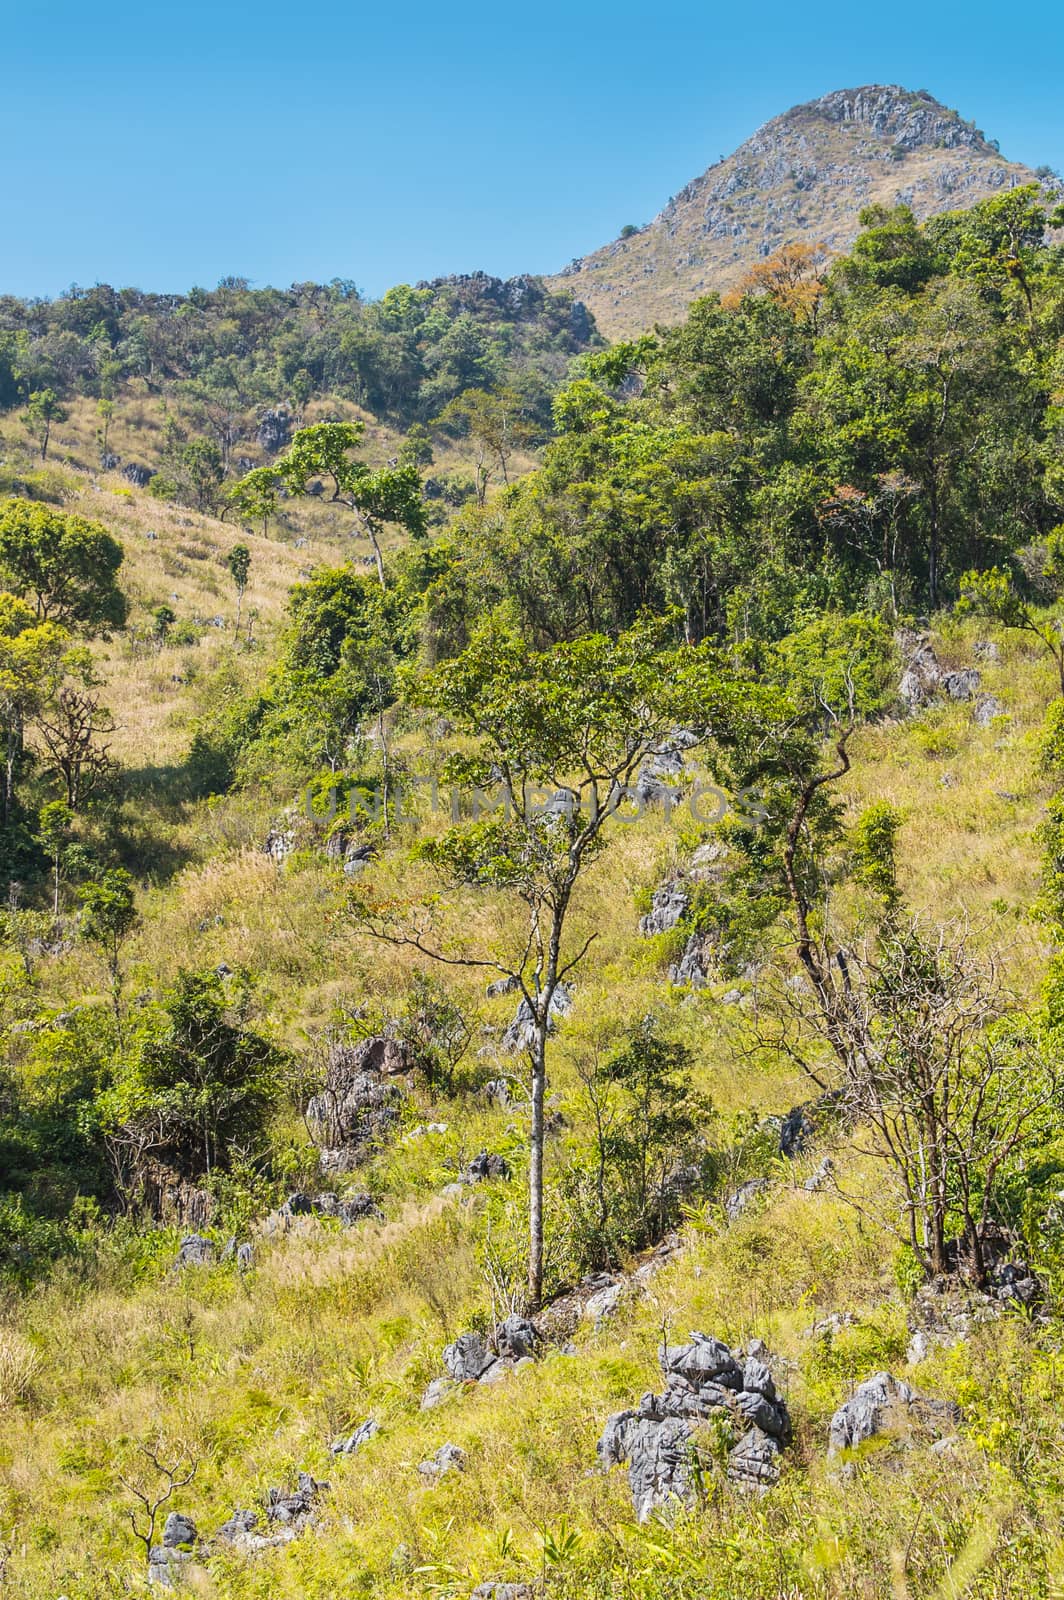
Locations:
column 805, row 176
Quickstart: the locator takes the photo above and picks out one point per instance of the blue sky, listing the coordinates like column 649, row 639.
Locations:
column 164, row 145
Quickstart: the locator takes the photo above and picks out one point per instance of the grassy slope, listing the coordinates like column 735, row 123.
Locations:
column 255, row 1377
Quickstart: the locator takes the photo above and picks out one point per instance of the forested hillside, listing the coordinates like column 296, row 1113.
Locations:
column 180, row 393
column 468, row 965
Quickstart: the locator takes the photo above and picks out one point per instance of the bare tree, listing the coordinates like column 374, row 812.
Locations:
column 947, row 1081
column 150, row 1500
column 72, row 729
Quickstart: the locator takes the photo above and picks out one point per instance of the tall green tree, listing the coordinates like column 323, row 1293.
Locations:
column 374, row 497
column 44, row 409
column 560, row 735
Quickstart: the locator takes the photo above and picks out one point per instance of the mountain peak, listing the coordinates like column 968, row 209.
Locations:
column 804, row 176
column 908, row 119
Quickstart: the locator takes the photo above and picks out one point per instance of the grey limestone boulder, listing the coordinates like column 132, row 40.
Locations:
column 659, row 1440
column 884, row 1404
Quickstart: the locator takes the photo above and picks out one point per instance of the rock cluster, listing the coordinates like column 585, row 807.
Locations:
column 663, row 775
column 472, row 1359
column 924, row 680
column 287, row 1513
column 166, row 1559
column 520, row 1035
column 347, row 1209
column 275, row 430
column 485, row 1166
column 668, row 905
column 884, row 1404
column 950, row 1308
column 448, row 1458
column 704, row 1381
column 196, row 1251
column 359, row 1105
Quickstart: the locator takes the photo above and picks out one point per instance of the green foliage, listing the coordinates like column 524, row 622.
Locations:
column 872, row 850
column 44, row 410
column 197, row 1082
column 649, row 1152
column 66, row 565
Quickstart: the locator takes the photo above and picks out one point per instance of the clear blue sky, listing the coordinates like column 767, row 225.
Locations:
column 165, row 145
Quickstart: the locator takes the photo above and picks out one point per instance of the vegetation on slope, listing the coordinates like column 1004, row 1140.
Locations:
column 280, row 857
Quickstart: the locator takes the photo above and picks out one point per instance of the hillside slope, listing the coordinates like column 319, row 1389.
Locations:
column 804, row 176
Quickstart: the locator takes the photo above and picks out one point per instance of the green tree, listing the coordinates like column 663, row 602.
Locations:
column 649, row 1127
column 495, row 423
column 67, row 565
column 109, row 916
column 105, row 410
column 32, row 657
column 256, row 495
column 388, row 495
column 202, row 469
column 199, row 1079
column 53, row 830
column 994, row 595
column 43, row 410
column 562, row 735
column 239, row 563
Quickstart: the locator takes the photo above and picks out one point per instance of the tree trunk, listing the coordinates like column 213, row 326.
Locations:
column 535, row 1165
column 377, row 557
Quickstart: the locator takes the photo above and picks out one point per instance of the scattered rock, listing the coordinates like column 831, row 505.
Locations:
column 503, row 1591
column 279, row 842
column 287, row 1514
column 816, row 1180
column 704, row 1379
column 950, row 1308
column 923, row 675
column 962, row 685
column 166, row 1559
column 884, row 1404
column 448, row 1458
column 359, row 1105
column 295, row 1508
column 471, row 1360
column 485, row 1166
column 195, row 1251
column 497, row 1093
column 691, row 969
column 669, row 903
column 987, row 707
column 353, row 1442
column 520, row 1035
column 275, row 430
column 138, row 476
column 803, row 1123
column 242, row 1254
column 986, row 650
column 439, row 1390
column 468, row 1358
column 831, row 1326
column 356, row 1208
column 516, row 1337
column 738, row 1201
column 604, row 1302
column 501, row 986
